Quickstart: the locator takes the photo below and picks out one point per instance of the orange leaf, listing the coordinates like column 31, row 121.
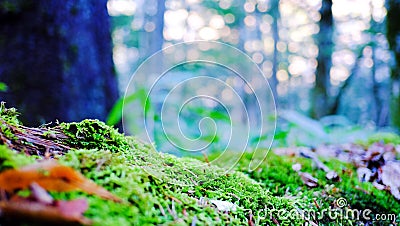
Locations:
column 53, row 177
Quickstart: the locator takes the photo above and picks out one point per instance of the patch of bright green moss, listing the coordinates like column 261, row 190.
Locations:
column 10, row 115
column 173, row 199
column 385, row 137
column 10, row 160
column 93, row 134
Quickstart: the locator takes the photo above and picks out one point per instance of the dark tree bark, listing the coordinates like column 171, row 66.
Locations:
column 56, row 58
column 393, row 36
column 321, row 103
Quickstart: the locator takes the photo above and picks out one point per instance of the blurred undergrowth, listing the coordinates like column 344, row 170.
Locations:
column 292, row 128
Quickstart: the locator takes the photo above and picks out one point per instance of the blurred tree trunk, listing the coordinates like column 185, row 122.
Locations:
column 393, row 36
column 151, row 39
column 379, row 90
column 151, row 36
column 275, row 35
column 56, row 58
column 321, row 103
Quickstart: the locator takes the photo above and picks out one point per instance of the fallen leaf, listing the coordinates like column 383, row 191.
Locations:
column 308, row 180
column 390, row 177
column 52, row 177
column 332, row 175
column 224, row 205
column 364, row 174
column 378, row 186
column 27, row 211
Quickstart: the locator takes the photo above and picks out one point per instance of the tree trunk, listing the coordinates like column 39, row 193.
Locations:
column 321, row 102
column 393, row 36
column 56, row 58
column 151, row 36
column 275, row 35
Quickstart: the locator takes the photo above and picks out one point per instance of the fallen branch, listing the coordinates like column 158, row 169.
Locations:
column 44, row 142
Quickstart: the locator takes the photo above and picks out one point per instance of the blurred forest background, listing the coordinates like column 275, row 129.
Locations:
column 333, row 65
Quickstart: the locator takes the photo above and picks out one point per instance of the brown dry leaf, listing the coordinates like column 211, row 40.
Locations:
column 40, row 207
column 309, row 180
column 63, row 213
column 330, row 174
column 52, row 177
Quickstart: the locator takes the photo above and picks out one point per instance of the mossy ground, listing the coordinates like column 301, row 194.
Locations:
column 156, row 188
column 163, row 189
column 277, row 176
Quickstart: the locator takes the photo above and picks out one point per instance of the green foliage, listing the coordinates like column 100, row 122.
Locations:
column 300, row 130
column 115, row 114
column 385, row 137
column 3, row 87
column 10, row 160
column 395, row 106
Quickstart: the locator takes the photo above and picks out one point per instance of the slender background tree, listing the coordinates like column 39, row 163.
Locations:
column 393, row 36
column 321, row 102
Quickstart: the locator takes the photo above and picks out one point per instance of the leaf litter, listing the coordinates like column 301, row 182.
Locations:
column 39, row 206
column 377, row 163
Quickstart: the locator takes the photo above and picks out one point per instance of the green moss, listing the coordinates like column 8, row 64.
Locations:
column 156, row 188
column 277, row 175
column 385, row 137
column 10, row 115
column 159, row 188
column 173, row 195
column 93, row 134
column 9, row 159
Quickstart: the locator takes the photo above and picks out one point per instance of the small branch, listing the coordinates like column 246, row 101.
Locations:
column 44, row 142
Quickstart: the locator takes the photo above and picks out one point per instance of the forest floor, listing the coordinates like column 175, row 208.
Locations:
column 88, row 173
